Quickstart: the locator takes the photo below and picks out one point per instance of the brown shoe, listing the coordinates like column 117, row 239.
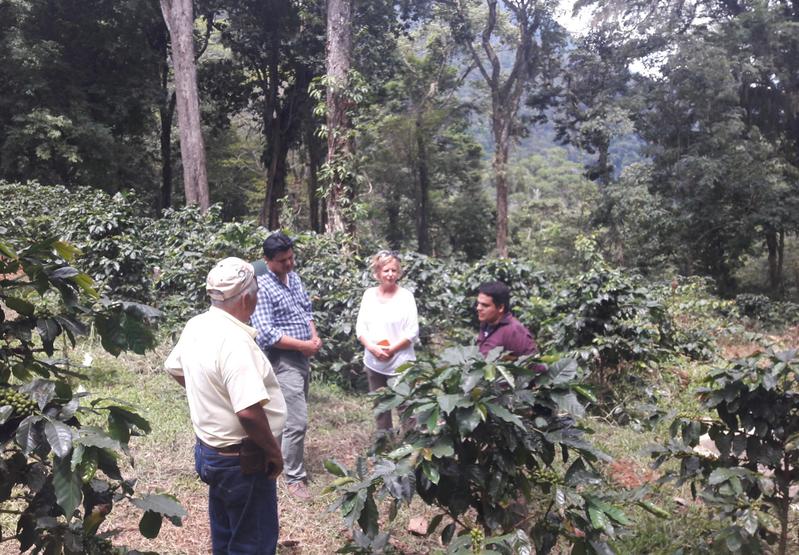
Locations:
column 299, row 491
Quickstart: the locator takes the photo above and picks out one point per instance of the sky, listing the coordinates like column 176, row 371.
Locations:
column 575, row 25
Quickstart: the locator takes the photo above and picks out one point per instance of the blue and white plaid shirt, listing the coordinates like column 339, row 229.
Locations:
column 281, row 310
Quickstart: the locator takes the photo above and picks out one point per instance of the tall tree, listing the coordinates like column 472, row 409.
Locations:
column 166, row 114
column 596, row 104
column 278, row 45
column 179, row 18
column 528, row 30
column 340, row 143
column 419, row 155
column 167, row 106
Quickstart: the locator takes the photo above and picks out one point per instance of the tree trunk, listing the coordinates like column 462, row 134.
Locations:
column 315, row 156
column 781, row 261
column 269, row 215
column 603, row 162
column 166, row 113
column 393, row 233
column 422, row 190
column 506, row 90
column 775, row 242
column 179, row 20
column 282, row 125
column 275, row 159
column 339, row 142
column 501, row 130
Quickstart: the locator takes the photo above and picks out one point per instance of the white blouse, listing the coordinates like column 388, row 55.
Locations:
column 394, row 319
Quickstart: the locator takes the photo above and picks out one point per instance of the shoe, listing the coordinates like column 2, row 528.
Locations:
column 299, row 491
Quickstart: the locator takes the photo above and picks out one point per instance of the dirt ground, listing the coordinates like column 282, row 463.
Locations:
column 339, row 428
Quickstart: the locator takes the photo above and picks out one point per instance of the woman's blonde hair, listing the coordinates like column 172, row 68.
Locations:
column 381, row 259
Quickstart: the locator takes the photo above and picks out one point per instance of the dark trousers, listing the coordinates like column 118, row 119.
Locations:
column 376, row 381
column 242, row 508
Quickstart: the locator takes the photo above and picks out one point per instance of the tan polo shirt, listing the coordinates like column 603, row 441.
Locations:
column 225, row 372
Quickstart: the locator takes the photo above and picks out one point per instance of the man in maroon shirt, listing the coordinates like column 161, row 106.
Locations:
column 498, row 327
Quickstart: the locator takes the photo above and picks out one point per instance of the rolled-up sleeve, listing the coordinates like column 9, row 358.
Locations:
column 262, row 320
column 410, row 327
column 173, row 364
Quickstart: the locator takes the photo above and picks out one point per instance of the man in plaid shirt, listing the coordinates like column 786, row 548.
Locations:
column 286, row 332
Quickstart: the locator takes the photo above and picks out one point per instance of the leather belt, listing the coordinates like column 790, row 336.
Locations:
column 226, row 450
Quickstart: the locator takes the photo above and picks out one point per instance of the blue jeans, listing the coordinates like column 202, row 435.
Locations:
column 242, row 509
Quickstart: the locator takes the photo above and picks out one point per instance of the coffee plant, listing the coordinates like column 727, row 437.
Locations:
column 753, row 480
column 60, row 470
column 481, row 439
column 528, row 287
column 606, row 317
column 108, row 230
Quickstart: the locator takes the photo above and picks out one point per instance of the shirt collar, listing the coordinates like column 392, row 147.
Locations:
column 490, row 328
column 276, row 279
column 219, row 312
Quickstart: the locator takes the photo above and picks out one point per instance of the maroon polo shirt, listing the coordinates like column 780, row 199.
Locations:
column 509, row 334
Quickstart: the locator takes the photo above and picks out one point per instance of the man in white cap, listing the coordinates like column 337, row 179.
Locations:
column 237, row 410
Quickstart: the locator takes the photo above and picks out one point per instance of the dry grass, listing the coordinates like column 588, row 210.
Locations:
column 340, row 428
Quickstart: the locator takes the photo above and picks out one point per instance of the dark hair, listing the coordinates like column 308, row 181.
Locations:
column 276, row 243
column 498, row 291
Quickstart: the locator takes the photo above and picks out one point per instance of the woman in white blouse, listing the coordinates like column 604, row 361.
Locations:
column 387, row 325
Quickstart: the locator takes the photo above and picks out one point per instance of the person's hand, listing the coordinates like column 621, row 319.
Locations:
column 274, row 463
column 311, row 346
column 378, row 351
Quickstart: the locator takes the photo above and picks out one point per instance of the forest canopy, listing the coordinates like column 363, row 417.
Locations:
column 461, row 128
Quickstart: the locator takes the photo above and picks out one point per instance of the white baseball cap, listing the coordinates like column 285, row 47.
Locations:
column 229, row 278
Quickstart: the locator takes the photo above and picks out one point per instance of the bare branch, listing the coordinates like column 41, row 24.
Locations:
column 475, row 56
column 209, row 25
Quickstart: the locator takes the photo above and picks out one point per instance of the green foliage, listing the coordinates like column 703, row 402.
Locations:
column 61, row 447
column 66, row 114
column 698, row 316
column 162, row 261
column 636, row 222
column 108, row 230
column 480, row 439
column 756, row 432
column 730, row 184
column 607, row 316
column 335, row 280
column 421, row 157
column 604, row 315
column 767, row 311
column 444, row 302
column 550, row 205
column 183, row 246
